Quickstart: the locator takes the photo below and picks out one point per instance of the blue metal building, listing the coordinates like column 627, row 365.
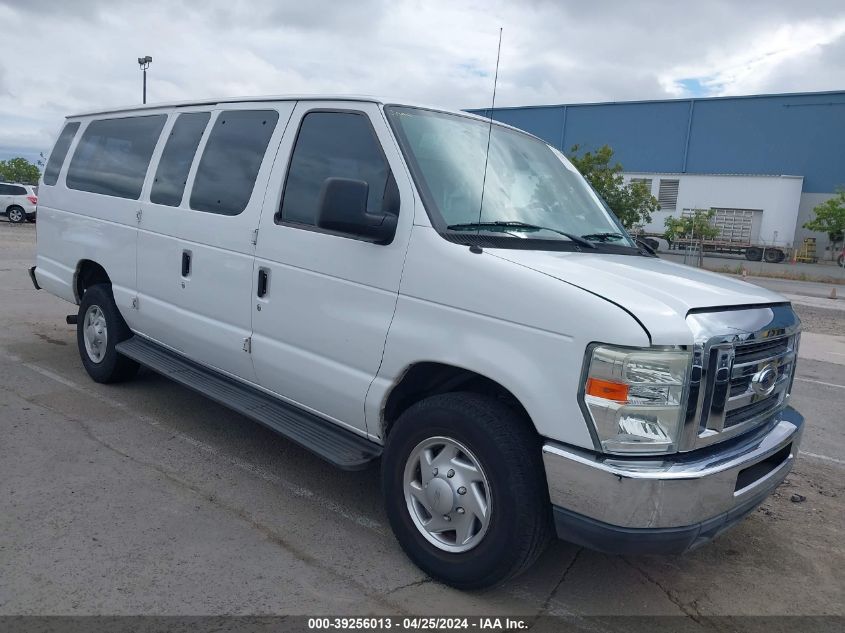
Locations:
column 797, row 134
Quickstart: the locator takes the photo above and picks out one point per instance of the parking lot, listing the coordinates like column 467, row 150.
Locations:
column 145, row 498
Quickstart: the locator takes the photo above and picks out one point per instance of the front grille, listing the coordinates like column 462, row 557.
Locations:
column 749, row 411
column 745, row 378
column 759, row 351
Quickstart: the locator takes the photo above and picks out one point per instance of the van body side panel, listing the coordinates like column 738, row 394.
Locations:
column 319, row 332
column 65, row 238
column 527, row 332
column 78, row 225
column 206, row 314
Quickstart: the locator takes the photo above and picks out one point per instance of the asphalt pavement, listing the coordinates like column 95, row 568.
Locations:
column 145, row 498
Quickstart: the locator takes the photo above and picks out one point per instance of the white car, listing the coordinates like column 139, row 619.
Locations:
column 380, row 280
column 18, row 202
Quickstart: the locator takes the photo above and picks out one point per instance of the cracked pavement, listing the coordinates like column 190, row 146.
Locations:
column 146, row 498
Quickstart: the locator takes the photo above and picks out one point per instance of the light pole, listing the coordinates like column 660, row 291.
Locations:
column 144, row 63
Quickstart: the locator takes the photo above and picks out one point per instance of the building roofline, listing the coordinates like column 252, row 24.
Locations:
column 677, row 100
column 707, row 173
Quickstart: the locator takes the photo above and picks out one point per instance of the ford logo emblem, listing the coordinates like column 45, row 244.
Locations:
column 763, row 382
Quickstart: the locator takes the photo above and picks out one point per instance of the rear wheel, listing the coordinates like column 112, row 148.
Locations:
column 99, row 327
column 16, row 215
column 465, row 490
column 753, row 254
column 774, row 256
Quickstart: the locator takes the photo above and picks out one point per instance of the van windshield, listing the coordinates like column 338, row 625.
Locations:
column 531, row 191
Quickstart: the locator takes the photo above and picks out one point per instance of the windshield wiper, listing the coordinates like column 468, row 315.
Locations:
column 516, row 224
column 604, row 237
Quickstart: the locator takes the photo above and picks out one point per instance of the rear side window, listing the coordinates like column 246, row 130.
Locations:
column 332, row 144
column 175, row 163
column 57, row 156
column 113, row 155
column 231, row 159
column 12, row 190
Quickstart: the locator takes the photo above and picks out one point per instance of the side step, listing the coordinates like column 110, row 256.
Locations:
column 336, row 445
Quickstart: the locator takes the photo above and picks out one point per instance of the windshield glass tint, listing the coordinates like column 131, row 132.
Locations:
column 527, row 181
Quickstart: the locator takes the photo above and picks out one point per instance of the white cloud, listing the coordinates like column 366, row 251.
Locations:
column 63, row 57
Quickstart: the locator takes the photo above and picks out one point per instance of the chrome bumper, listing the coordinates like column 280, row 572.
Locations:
column 670, row 504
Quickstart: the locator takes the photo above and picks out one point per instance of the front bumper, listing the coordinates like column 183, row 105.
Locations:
column 663, row 505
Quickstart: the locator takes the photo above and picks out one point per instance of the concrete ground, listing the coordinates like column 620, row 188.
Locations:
column 146, row 498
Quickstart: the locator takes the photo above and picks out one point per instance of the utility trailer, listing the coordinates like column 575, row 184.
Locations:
column 739, row 231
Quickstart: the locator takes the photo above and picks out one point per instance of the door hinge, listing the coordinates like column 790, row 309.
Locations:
column 134, row 303
column 255, row 237
column 139, row 214
column 248, row 345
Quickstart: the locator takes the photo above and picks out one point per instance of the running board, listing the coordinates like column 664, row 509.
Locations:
column 325, row 439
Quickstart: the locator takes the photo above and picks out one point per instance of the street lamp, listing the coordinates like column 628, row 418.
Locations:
column 144, row 63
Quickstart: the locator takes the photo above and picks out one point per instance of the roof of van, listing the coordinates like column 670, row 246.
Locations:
column 266, row 98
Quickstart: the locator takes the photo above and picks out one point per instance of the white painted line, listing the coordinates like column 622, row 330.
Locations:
column 820, row 382
column 824, row 458
column 261, row 473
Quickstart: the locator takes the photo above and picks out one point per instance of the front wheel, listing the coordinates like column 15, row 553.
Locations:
column 753, row 254
column 465, row 490
column 99, row 327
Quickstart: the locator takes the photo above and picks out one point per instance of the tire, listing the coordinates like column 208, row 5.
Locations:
column 773, row 256
column 508, row 453
column 16, row 215
column 98, row 311
column 753, row 254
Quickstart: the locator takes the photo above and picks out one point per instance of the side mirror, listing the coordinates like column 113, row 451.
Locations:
column 343, row 207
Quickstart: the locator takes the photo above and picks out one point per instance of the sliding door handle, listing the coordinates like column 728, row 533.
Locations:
column 263, row 279
column 186, row 263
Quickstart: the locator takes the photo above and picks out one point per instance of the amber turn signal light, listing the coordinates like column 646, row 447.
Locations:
column 607, row 389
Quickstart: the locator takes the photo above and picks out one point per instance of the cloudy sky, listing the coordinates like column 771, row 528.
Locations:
column 64, row 56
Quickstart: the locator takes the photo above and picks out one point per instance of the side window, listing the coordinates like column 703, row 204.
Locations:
column 57, row 156
column 17, row 191
column 334, row 144
column 5, row 190
column 231, row 160
column 175, row 163
column 113, row 155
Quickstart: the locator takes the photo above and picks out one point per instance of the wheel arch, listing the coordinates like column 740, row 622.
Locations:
column 428, row 378
column 88, row 272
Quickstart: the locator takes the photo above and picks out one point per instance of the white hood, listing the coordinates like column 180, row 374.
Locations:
column 658, row 293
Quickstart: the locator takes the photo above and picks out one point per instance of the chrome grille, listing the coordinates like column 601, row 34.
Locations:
column 743, row 366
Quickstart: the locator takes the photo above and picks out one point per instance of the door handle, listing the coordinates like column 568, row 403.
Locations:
column 186, row 263
column 263, row 279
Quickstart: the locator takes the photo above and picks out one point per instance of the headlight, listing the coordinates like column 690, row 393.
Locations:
column 634, row 398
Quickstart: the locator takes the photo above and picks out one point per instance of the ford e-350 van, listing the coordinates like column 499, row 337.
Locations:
column 365, row 278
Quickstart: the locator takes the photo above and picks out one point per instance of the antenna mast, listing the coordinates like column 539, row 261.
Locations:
column 489, row 131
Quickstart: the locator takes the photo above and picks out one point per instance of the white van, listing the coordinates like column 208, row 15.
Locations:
column 365, row 278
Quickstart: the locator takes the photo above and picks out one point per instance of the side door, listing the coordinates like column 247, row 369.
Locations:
column 328, row 298
column 197, row 230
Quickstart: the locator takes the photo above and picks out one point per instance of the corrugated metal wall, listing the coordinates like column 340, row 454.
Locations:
column 796, row 134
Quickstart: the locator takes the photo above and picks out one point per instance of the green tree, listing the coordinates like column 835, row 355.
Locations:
column 633, row 204
column 829, row 217
column 696, row 226
column 19, row 170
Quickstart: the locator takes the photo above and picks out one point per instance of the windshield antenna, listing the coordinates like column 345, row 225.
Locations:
column 489, row 131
